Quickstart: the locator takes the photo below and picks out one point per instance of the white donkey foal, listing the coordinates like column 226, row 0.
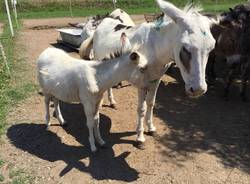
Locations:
column 182, row 36
column 64, row 78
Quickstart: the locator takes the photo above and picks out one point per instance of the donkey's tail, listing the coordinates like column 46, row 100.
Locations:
column 86, row 47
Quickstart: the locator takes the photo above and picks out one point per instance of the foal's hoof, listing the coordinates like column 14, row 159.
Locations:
column 152, row 133
column 94, row 151
column 113, row 106
column 140, row 145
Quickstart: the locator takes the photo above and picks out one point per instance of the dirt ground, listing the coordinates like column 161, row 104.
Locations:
column 203, row 141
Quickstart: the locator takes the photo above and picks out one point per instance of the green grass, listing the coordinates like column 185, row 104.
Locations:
column 17, row 87
column 20, row 176
column 1, row 178
column 1, row 162
column 50, row 8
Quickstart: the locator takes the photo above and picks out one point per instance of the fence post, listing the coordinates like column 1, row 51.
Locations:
column 8, row 14
column 14, row 2
column 114, row 4
column 70, row 8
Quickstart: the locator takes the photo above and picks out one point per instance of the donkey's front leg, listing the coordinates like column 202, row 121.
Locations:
column 141, row 109
column 89, row 109
column 150, row 100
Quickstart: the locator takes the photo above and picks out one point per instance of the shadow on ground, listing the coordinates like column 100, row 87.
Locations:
column 35, row 139
column 209, row 124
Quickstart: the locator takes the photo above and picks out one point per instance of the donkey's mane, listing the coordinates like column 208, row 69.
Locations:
column 99, row 18
column 189, row 9
column 192, row 9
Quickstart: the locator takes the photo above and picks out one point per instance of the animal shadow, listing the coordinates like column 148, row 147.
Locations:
column 35, row 139
column 208, row 124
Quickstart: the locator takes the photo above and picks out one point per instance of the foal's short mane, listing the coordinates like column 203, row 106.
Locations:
column 115, row 54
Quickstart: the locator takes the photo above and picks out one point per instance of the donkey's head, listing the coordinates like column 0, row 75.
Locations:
column 193, row 44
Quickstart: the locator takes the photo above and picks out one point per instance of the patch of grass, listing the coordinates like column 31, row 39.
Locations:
column 17, row 87
column 55, row 8
column 1, row 162
column 1, row 178
column 1, row 165
column 19, row 176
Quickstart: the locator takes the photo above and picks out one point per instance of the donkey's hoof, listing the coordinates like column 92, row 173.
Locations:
column 64, row 124
column 54, row 114
column 140, row 145
column 113, row 106
column 152, row 133
column 104, row 146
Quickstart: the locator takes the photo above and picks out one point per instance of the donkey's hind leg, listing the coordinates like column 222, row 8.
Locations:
column 97, row 122
column 58, row 112
column 47, row 115
column 111, row 98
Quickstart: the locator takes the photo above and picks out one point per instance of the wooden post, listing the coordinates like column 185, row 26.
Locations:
column 9, row 19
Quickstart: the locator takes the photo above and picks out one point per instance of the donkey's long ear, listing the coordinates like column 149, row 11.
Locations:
column 170, row 10
column 125, row 43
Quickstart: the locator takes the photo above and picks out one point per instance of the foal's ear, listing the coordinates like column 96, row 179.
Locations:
column 134, row 56
column 125, row 43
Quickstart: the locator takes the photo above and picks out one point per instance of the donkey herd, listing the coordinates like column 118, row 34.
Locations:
column 141, row 54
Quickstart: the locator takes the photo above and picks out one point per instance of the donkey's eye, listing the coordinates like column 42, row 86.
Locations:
column 185, row 57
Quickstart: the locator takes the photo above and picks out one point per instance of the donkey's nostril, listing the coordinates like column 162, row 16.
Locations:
column 191, row 89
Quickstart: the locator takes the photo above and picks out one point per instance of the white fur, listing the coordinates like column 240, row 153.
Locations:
column 162, row 44
column 89, row 29
column 126, row 19
column 62, row 77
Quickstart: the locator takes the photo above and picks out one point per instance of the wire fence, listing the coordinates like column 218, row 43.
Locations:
column 24, row 5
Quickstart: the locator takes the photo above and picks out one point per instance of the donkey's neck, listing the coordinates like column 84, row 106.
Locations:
column 110, row 72
column 165, row 42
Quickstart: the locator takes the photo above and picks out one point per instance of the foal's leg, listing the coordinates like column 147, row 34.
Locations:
column 96, row 127
column 141, row 109
column 111, row 98
column 89, row 109
column 47, row 115
column 150, row 100
column 58, row 111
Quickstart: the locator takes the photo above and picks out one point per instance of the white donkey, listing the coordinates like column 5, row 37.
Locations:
column 182, row 36
column 92, row 24
column 64, row 78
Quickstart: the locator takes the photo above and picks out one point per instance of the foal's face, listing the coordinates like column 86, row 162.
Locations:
column 139, row 67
